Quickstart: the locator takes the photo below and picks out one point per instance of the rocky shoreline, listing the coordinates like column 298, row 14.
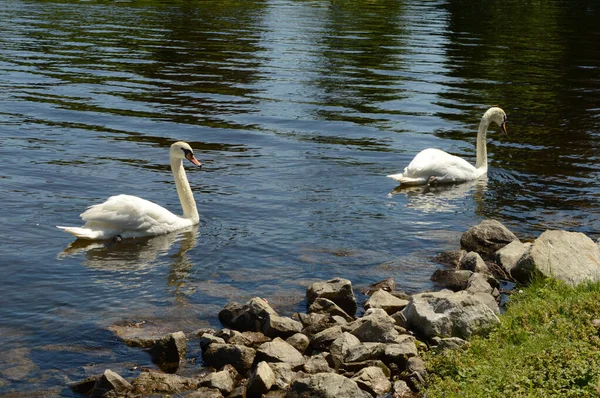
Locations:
column 329, row 352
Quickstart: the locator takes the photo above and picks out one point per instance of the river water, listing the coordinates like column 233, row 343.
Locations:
column 298, row 110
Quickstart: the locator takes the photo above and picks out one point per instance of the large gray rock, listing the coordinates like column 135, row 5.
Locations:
column 472, row 261
column 219, row 355
column 110, row 382
column 322, row 340
column 339, row 348
column 486, row 238
column 386, row 301
column 478, row 283
column 317, row 364
column 169, row 351
column 569, row 256
column 261, row 380
column 373, row 380
column 400, row 352
column 279, row 350
column 283, row 374
column 326, row 385
column 448, row 314
column 338, row 290
column 280, row 326
column 365, row 352
column 509, row 255
column 223, row 381
column 376, row 329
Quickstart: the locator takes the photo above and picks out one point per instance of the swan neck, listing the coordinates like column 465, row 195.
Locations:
column 481, row 143
column 184, row 191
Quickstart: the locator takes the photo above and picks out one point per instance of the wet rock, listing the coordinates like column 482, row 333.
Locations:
column 373, row 380
column 239, row 356
column 451, row 258
column 280, row 326
column 152, row 382
column 223, row 381
column 248, row 317
column 386, row 301
column 299, row 341
column 568, row 256
column 448, row 314
column 486, row 238
column 388, row 285
column 317, row 364
column 137, row 334
column 326, row 385
column 338, row 290
column 261, row 380
column 452, row 278
column 508, row 256
column 110, row 383
column 322, row 340
column 279, row 350
column 322, row 305
column 169, row 351
column 472, row 261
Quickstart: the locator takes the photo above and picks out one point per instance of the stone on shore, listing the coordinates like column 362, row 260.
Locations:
column 472, row 261
column 322, row 305
column 568, row 256
column 373, row 380
column 280, row 326
column 386, row 301
column 261, row 380
column 376, row 328
column 148, row 383
column 338, row 290
column 388, row 284
column 299, row 341
column 326, row 385
column 448, row 314
column 247, row 317
column 223, row 380
column 110, row 383
column 509, row 255
column 279, row 350
column 219, row 355
column 169, row 351
column 454, row 279
column 486, row 238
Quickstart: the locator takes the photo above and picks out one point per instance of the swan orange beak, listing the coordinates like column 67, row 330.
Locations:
column 503, row 127
column 190, row 156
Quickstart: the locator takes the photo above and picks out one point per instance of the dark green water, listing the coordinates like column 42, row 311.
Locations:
column 298, row 109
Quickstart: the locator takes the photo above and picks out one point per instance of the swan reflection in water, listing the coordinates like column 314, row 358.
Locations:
column 135, row 254
column 444, row 198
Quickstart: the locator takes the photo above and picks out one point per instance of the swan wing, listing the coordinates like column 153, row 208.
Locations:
column 438, row 164
column 129, row 213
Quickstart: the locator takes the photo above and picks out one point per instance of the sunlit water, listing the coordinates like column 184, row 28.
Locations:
column 298, row 110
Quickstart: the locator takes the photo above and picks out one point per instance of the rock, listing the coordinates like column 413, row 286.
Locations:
column 472, row 261
column 280, row 326
column 386, row 301
column 402, row 390
column 416, row 364
column 322, row 305
column 355, row 367
column 508, row 256
column 452, row 278
column 205, row 392
column 317, row 364
column 338, row 290
column 451, row 258
column 340, row 346
column 316, row 323
column 279, row 350
column 110, row 382
column 489, row 300
column 451, row 343
column 486, row 238
column 249, row 317
column 261, row 380
column 299, row 341
column 376, row 329
column 283, row 374
column 569, row 256
column 249, row 339
column 322, row 340
column 207, row 339
column 326, row 385
column 389, row 285
column 219, row 355
column 223, row 381
column 373, row 380
column 169, row 351
column 399, row 353
column 148, row 383
column 478, row 283
column 365, row 352
column 448, row 314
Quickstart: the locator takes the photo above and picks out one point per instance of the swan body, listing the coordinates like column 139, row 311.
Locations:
column 436, row 166
column 129, row 216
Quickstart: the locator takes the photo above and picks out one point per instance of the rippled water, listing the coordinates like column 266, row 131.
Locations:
column 298, row 109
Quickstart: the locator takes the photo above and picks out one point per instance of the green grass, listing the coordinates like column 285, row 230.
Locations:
column 545, row 346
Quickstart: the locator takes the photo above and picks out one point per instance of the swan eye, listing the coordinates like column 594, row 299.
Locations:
column 186, row 152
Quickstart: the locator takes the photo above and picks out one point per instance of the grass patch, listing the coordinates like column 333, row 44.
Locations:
column 545, row 346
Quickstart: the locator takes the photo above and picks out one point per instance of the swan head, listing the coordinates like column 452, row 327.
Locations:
column 181, row 150
column 498, row 116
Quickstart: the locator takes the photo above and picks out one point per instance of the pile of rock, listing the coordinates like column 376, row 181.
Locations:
column 329, row 352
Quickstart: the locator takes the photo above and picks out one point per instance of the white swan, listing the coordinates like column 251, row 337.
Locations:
column 436, row 166
column 128, row 216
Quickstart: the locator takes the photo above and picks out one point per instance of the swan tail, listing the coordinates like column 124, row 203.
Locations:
column 407, row 180
column 83, row 233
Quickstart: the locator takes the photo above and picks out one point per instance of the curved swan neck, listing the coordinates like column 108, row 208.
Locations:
column 186, row 197
column 481, row 142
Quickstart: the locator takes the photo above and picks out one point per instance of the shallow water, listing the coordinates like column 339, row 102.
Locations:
column 298, row 110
